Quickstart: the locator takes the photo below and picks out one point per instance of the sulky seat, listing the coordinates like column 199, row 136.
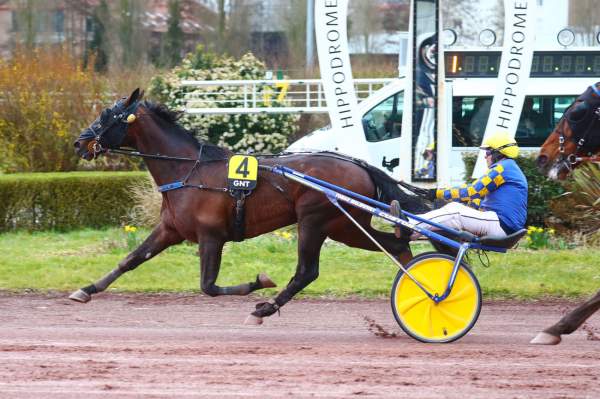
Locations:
column 507, row 242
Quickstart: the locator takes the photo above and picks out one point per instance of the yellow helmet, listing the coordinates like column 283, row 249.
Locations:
column 502, row 142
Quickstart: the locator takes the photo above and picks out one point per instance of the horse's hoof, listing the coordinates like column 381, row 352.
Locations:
column 80, row 296
column 544, row 338
column 252, row 320
column 265, row 281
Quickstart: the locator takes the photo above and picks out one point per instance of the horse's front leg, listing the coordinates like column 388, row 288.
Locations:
column 569, row 323
column 161, row 237
column 210, row 264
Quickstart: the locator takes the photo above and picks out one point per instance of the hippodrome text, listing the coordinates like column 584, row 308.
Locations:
column 336, row 53
column 515, row 66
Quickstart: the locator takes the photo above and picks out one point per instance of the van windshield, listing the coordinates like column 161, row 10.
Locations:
column 539, row 116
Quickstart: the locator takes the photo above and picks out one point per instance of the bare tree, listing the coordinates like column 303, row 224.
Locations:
column 295, row 32
column 221, row 26
column 25, row 26
column 584, row 18
column 365, row 20
column 468, row 18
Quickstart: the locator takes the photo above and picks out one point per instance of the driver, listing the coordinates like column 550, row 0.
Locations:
column 493, row 205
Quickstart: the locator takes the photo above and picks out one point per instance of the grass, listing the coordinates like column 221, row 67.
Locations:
column 46, row 261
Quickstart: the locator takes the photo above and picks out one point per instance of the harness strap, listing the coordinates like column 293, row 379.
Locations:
column 170, row 186
column 184, row 182
column 239, row 229
column 593, row 159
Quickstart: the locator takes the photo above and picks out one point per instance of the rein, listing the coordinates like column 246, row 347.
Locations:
column 593, row 159
column 151, row 156
column 179, row 183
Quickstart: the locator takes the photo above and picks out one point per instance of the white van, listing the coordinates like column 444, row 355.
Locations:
column 557, row 78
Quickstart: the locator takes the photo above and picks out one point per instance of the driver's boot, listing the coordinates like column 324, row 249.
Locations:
column 395, row 211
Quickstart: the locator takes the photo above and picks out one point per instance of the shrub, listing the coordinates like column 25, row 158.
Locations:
column 541, row 189
column 578, row 210
column 46, row 99
column 63, row 201
column 265, row 133
column 147, row 203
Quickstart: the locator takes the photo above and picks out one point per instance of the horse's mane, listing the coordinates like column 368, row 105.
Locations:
column 169, row 120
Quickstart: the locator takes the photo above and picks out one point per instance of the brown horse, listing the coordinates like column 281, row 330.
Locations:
column 575, row 139
column 203, row 211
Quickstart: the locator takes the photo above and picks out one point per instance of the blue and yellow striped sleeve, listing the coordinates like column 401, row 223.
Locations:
column 473, row 192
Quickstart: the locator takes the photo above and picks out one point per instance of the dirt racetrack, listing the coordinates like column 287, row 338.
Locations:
column 125, row 346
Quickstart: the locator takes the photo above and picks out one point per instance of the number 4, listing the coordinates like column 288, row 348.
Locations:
column 242, row 168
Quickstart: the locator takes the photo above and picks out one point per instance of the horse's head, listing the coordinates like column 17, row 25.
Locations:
column 576, row 135
column 109, row 130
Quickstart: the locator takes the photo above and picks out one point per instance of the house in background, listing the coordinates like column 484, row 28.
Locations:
column 70, row 22
column 197, row 22
column 45, row 23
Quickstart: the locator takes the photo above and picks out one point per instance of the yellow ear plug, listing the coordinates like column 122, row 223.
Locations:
column 131, row 118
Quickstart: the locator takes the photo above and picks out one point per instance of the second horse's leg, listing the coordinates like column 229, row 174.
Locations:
column 569, row 323
column 210, row 264
column 161, row 237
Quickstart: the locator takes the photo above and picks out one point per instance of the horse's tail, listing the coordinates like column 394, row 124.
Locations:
column 389, row 189
column 411, row 198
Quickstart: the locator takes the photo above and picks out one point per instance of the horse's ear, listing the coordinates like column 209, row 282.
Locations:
column 135, row 96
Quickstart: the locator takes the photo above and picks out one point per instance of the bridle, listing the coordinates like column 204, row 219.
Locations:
column 126, row 116
column 570, row 160
column 119, row 115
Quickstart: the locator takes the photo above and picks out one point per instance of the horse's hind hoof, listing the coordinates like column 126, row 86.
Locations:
column 252, row 320
column 544, row 338
column 265, row 281
column 80, row 296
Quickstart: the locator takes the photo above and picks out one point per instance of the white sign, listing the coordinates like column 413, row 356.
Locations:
column 336, row 71
column 513, row 74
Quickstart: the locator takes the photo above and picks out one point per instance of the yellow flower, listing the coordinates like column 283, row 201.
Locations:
column 130, row 229
column 540, row 230
column 286, row 235
column 551, row 231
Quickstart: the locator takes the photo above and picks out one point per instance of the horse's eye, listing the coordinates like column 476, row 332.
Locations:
column 579, row 112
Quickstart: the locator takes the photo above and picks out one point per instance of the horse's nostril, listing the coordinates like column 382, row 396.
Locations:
column 76, row 145
column 542, row 160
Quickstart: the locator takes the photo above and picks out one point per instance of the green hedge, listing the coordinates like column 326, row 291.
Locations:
column 541, row 189
column 63, row 201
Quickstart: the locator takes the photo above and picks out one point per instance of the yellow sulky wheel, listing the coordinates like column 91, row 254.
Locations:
column 422, row 318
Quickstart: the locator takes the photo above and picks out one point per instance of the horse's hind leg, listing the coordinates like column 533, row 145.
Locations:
column 310, row 240
column 210, row 264
column 569, row 323
column 161, row 237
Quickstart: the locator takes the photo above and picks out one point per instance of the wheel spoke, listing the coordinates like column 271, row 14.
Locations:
column 407, row 304
column 463, row 293
column 429, row 320
column 458, row 322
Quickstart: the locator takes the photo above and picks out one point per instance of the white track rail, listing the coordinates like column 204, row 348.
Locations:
column 265, row 96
